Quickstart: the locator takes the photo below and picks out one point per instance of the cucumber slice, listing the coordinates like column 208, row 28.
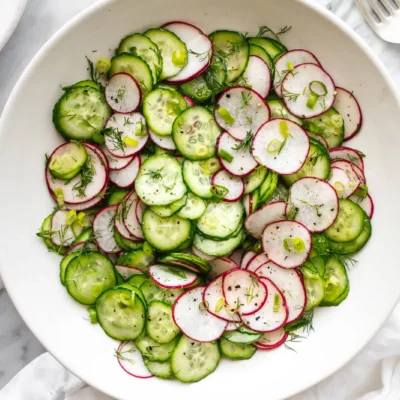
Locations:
column 154, row 351
column 256, row 50
column 197, row 89
column 188, row 261
column 194, row 207
column 216, row 76
column 315, row 286
column 197, row 178
column 349, row 222
column 233, row 48
column 160, row 369
column 116, row 196
column 88, row 276
column 267, row 188
column 336, row 281
column 134, row 66
column 195, row 133
column 218, row 248
column 317, row 164
column 255, row 179
column 80, row 113
column 137, row 280
column 121, row 314
column 159, row 181
column 165, row 234
column 238, row 337
column 153, row 292
column 279, row 110
column 221, row 220
column 327, row 126
column 138, row 259
column 173, row 51
column 160, row 108
column 87, row 82
column 134, row 289
column 274, row 48
column 192, row 361
column 236, row 351
column 160, row 325
column 141, row 46
column 170, row 209
column 64, row 264
column 354, row 245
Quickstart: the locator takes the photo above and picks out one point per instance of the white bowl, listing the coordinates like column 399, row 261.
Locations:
column 31, row 273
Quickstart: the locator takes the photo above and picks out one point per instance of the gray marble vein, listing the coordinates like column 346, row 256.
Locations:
column 41, row 19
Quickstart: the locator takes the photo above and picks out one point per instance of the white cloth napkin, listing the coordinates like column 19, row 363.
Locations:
column 374, row 374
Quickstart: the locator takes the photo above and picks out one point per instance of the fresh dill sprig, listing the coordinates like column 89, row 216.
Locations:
column 264, row 30
column 115, row 138
column 245, row 144
column 87, row 173
column 246, row 99
column 293, row 338
column 175, row 272
column 155, row 174
column 95, row 77
column 290, row 96
column 201, row 56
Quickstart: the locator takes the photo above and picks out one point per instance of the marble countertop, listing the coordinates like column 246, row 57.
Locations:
column 41, row 19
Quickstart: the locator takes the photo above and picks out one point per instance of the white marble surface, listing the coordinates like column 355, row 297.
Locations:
column 41, row 19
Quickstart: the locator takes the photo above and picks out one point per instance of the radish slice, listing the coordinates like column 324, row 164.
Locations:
column 131, row 361
column 123, row 93
column 170, row 277
column 347, row 106
column 100, row 153
column 165, row 142
column 240, row 110
column 119, row 222
column 247, row 257
column 296, row 90
column 286, row 62
column 347, row 154
column 291, row 284
column 272, row 315
column 319, row 138
column 214, row 299
column 72, row 194
column 62, row 234
column 271, row 212
column 87, row 204
column 316, row 203
column 281, row 145
column 221, row 265
column 248, row 205
column 204, row 256
column 343, row 182
column 365, row 203
column 140, row 207
column 130, row 218
column 126, row 134
column 287, row 243
column 233, row 184
column 256, row 262
column 104, row 231
column 355, row 173
column 242, row 162
column 257, row 76
column 232, row 326
column 272, row 340
column 125, row 177
column 83, row 245
column 200, row 51
column 243, row 291
column 236, row 256
column 126, row 271
column 116, row 163
column 189, row 101
column 193, row 319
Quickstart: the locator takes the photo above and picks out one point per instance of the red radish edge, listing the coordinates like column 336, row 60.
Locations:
column 130, row 373
column 349, row 149
column 238, row 177
column 272, row 346
column 360, row 111
column 173, row 286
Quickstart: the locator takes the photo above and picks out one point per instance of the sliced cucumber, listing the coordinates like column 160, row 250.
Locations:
column 165, row 234
column 336, row 281
column 153, row 292
column 154, row 351
column 278, row 110
column 161, row 370
column 314, row 284
column 255, row 179
column 88, row 276
column 159, row 181
column 121, row 314
column 317, row 165
column 160, row 108
column 188, row 261
column 233, row 48
column 134, row 289
column 329, row 125
column 236, row 351
column 349, row 223
column 138, row 258
column 116, row 196
column 221, row 220
column 238, row 337
column 170, row 209
column 198, row 178
column 81, row 112
column 271, row 46
column 160, row 325
column 216, row 76
column 192, row 361
column 218, row 248
column 195, row 133
column 137, row 280
column 64, row 264
column 197, row 89
column 267, row 188
column 134, row 66
column 256, row 50
column 173, row 51
column 86, row 82
column 194, row 207
column 142, row 46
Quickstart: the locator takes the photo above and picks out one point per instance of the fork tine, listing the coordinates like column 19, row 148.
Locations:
column 388, row 5
column 397, row 2
column 378, row 10
column 366, row 13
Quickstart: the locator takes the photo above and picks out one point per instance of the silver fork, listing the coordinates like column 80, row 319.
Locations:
column 383, row 16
